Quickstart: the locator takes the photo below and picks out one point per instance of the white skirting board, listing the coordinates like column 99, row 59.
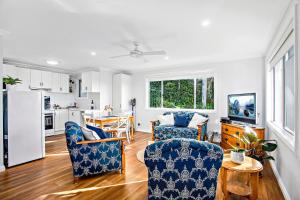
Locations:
column 280, row 182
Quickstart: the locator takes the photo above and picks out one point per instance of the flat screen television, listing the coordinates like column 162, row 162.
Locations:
column 242, row 107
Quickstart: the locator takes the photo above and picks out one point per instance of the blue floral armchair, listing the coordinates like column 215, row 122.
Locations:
column 182, row 169
column 93, row 157
column 163, row 132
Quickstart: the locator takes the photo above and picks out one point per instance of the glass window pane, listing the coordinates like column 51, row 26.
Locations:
column 155, row 94
column 205, row 93
column 289, row 90
column 210, row 104
column 278, row 93
column 178, row 93
column 199, row 95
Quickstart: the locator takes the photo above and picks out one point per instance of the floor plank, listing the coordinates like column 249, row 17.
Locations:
column 51, row 178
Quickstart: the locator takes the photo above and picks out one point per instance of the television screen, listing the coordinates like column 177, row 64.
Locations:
column 242, row 107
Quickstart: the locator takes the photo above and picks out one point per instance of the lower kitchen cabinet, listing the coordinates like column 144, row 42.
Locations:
column 60, row 118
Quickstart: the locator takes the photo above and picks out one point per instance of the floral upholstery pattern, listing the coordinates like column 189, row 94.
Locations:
column 182, row 169
column 94, row 158
column 163, row 132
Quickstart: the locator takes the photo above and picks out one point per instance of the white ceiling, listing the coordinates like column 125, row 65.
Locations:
column 68, row 30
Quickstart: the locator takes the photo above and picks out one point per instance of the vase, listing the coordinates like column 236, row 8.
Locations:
column 10, row 87
column 237, row 157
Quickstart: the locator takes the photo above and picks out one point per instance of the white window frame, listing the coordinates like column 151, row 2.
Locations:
column 286, row 42
column 175, row 76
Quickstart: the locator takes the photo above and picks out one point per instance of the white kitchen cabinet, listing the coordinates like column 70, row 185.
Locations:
column 55, row 86
column 60, row 83
column 75, row 116
column 61, row 116
column 121, row 93
column 17, row 72
column 90, row 81
column 65, row 83
column 40, row 79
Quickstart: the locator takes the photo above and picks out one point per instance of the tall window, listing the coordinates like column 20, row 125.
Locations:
column 282, row 86
column 194, row 93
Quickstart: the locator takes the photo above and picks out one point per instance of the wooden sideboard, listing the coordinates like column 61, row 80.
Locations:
column 231, row 132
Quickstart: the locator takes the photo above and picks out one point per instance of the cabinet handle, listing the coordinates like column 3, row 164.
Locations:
column 238, row 144
column 237, row 133
column 226, row 139
column 226, row 129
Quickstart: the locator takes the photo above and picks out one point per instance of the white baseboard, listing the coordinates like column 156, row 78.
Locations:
column 2, row 168
column 280, row 182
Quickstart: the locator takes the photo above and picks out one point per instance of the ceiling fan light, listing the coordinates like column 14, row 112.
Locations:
column 52, row 62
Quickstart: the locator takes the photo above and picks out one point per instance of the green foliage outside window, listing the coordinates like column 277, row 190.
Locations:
column 155, row 94
column 180, row 93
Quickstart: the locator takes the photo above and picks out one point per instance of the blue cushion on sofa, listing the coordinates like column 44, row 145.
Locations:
column 181, row 120
column 99, row 132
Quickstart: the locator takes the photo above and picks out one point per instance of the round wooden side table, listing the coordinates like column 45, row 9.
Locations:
column 251, row 167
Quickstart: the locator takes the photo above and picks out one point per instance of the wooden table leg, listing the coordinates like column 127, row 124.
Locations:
column 254, row 185
column 224, row 183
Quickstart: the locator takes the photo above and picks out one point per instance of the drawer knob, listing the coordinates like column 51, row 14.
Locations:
column 237, row 133
column 226, row 129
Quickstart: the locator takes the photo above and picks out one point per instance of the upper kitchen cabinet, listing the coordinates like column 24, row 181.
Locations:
column 40, row 79
column 21, row 73
column 60, row 83
column 121, row 93
column 90, row 81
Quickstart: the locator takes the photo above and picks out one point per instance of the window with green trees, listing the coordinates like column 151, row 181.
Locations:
column 195, row 93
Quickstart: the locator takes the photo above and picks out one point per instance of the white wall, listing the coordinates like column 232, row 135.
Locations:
column 241, row 76
column 1, row 105
column 105, row 88
column 63, row 100
column 287, row 159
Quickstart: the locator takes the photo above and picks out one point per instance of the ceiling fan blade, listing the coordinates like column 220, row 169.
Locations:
column 153, row 53
column 120, row 56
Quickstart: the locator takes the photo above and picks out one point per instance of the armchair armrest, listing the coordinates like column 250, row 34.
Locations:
column 200, row 130
column 153, row 124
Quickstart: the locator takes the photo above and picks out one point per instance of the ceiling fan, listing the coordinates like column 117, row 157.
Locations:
column 136, row 53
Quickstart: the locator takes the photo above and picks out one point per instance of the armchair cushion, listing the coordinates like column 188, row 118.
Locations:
column 89, row 134
column 197, row 119
column 181, row 120
column 163, row 132
column 99, row 131
column 166, row 119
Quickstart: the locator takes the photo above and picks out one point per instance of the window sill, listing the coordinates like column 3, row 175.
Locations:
column 284, row 136
column 204, row 111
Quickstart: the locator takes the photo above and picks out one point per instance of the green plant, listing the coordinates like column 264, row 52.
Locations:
column 258, row 148
column 11, row 81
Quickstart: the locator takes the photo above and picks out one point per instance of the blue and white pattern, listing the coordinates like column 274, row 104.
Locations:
column 93, row 158
column 182, row 169
column 163, row 132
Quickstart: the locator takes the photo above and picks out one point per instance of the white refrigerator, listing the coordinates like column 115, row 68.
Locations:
column 24, row 139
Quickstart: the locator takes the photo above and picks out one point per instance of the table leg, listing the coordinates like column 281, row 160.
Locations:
column 254, row 185
column 224, row 183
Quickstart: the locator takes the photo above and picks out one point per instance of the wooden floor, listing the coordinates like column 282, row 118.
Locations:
column 51, row 178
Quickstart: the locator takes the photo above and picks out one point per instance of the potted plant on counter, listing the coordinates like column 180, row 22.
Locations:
column 9, row 82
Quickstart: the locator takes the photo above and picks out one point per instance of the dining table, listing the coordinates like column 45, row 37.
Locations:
column 101, row 121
